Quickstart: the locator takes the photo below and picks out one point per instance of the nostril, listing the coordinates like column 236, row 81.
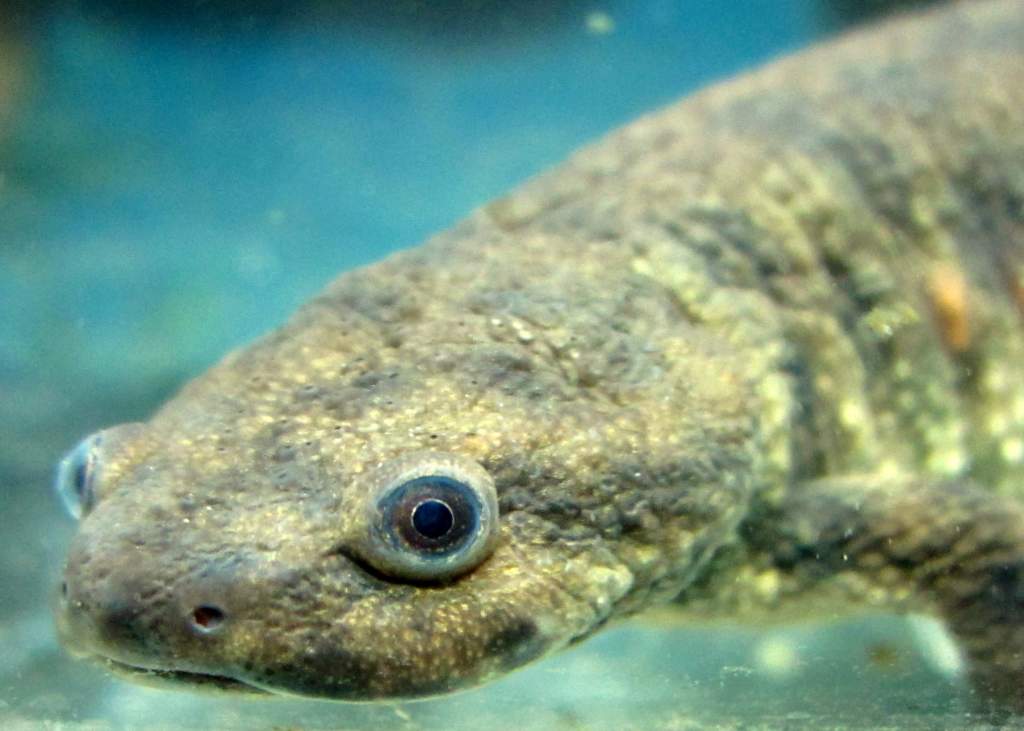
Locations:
column 207, row 618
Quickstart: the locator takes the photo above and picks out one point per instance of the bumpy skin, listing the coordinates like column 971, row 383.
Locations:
column 760, row 348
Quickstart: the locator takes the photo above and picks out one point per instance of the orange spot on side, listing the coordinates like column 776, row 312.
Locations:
column 947, row 291
column 1017, row 287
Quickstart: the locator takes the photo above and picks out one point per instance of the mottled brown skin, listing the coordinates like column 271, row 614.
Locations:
column 709, row 359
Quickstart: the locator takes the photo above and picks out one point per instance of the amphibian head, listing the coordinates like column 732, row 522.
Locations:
column 440, row 470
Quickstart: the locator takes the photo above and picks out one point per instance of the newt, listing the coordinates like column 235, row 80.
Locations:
column 758, row 354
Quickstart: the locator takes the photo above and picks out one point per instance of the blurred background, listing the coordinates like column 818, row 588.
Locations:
column 175, row 178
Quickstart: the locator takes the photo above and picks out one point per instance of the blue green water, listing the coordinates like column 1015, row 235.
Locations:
column 174, row 182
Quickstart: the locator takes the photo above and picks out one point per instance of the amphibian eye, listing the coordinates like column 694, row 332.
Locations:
column 76, row 476
column 430, row 517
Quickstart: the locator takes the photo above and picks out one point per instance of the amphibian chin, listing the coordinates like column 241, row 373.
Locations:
column 762, row 351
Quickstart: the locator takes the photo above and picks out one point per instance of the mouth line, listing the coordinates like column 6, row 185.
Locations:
column 156, row 677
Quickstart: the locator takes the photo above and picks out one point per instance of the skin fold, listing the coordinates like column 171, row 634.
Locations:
column 760, row 352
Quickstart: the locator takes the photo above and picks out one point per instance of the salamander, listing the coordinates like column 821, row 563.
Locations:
column 758, row 354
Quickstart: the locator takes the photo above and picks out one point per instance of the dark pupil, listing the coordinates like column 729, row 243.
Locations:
column 81, row 476
column 432, row 519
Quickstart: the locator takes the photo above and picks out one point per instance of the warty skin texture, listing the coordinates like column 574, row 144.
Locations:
column 757, row 351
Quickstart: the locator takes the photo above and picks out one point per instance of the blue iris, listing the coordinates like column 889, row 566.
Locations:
column 434, row 515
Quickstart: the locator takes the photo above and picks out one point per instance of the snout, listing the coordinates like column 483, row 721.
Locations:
column 238, row 618
column 127, row 605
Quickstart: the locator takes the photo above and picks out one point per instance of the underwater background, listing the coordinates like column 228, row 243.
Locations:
column 175, row 178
